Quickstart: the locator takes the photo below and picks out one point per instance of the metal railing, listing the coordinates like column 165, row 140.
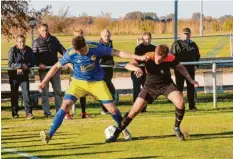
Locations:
column 210, row 62
column 193, row 37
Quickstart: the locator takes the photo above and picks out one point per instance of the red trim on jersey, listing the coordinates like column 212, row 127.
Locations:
column 169, row 58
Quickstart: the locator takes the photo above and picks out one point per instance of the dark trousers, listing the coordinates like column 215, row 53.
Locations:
column 14, row 96
column 108, row 74
column 137, row 83
column 56, row 84
column 190, row 88
column 83, row 104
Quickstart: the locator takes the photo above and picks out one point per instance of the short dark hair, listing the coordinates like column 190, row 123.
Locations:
column 78, row 42
column 20, row 36
column 162, row 50
column 147, row 33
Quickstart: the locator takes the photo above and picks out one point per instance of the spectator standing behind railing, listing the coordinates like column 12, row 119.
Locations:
column 45, row 48
column 106, row 41
column 20, row 58
column 141, row 49
column 186, row 50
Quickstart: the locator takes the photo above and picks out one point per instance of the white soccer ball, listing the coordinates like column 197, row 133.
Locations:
column 109, row 131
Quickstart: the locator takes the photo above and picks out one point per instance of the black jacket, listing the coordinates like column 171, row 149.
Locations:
column 185, row 51
column 142, row 49
column 16, row 59
column 45, row 50
column 106, row 60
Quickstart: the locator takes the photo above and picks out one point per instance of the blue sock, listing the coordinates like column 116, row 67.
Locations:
column 57, row 121
column 117, row 117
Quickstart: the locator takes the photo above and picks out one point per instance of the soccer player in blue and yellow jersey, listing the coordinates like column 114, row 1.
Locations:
column 87, row 79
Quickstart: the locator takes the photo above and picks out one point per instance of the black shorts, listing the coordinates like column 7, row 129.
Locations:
column 150, row 93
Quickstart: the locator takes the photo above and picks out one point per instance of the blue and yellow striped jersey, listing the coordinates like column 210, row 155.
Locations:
column 87, row 67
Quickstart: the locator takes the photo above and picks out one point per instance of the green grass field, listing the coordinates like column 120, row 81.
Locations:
column 209, row 46
column 210, row 134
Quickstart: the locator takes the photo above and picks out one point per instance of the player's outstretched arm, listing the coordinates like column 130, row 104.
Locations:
column 50, row 74
column 133, row 66
column 127, row 55
column 185, row 73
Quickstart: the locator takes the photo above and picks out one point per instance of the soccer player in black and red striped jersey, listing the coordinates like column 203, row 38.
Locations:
column 158, row 82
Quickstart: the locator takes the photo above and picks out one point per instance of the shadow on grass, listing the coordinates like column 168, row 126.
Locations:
column 152, row 137
column 16, row 134
column 35, row 138
column 47, row 150
column 36, row 135
column 71, row 155
column 227, row 134
column 142, row 157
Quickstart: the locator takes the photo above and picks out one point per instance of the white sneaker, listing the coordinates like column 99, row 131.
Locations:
column 45, row 137
column 103, row 113
column 127, row 135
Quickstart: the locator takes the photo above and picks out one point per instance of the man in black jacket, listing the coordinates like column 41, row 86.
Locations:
column 105, row 40
column 141, row 49
column 20, row 58
column 186, row 50
column 45, row 48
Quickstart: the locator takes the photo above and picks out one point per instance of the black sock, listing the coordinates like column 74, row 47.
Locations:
column 83, row 104
column 125, row 121
column 179, row 116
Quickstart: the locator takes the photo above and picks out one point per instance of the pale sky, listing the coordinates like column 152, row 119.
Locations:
column 120, row 8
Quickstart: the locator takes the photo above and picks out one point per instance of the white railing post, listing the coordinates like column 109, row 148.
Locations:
column 231, row 49
column 74, row 109
column 214, row 85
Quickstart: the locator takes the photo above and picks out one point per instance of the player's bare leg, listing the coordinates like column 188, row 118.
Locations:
column 138, row 105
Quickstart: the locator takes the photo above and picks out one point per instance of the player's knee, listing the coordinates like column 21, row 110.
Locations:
column 113, row 110
column 180, row 103
column 66, row 104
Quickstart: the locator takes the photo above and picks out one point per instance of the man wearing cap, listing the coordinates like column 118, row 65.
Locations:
column 186, row 50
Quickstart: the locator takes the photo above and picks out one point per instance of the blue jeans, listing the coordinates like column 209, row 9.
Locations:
column 56, row 84
column 15, row 97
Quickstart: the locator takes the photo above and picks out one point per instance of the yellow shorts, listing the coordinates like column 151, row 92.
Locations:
column 80, row 88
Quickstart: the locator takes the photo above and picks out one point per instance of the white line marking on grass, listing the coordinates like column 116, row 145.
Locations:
column 20, row 153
